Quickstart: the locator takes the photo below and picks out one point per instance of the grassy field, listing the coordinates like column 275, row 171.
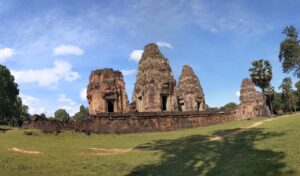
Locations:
column 251, row 147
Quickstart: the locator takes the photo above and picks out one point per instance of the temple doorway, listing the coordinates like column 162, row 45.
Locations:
column 164, row 100
column 110, row 106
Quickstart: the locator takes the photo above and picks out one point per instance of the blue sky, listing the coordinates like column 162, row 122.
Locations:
column 51, row 46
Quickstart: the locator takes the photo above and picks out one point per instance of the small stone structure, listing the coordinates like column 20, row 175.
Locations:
column 252, row 103
column 106, row 92
column 155, row 85
column 189, row 91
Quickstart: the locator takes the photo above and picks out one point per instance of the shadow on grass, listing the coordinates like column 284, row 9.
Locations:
column 3, row 130
column 233, row 156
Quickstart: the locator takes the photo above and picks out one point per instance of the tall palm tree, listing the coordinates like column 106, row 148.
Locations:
column 261, row 73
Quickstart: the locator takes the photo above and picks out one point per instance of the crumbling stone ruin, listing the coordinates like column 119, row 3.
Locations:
column 189, row 91
column 106, row 92
column 155, row 85
column 155, row 90
column 165, row 106
column 252, row 103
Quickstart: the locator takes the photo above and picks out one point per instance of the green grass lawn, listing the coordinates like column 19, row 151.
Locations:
column 272, row 148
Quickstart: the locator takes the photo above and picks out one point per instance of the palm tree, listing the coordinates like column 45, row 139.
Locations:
column 270, row 94
column 261, row 73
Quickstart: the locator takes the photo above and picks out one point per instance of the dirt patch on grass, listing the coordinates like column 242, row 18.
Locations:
column 104, row 152
column 254, row 125
column 29, row 152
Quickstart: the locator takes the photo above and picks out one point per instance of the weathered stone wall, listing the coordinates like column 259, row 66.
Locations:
column 189, row 91
column 106, row 92
column 155, row 85
column 136, row 122
column 252, row 103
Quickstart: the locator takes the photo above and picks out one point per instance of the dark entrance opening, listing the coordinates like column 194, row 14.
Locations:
column 198, row 106
column 164, row 99
column 110, row 106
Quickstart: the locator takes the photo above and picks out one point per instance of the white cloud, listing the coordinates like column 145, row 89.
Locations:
column 29, row 100
column 238, row 94
column 128, row 72
column 83, row 93
column 47, row 76
column 164, row 44
column 68, row 104
column 5, row 53
column 33, row 104
column 67, row 50
column 136, row 55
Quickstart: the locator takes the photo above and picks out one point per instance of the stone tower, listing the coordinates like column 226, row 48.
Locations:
column 252, row 103
column 189, row 91
column 106, row 92
column 154, row 89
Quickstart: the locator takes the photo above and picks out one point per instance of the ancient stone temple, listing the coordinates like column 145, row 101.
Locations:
column 189, row 91
column 106, row 92
column 252, row 103
column 155, row 85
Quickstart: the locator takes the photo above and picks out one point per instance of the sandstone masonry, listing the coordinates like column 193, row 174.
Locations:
column 252, row 103
column 106, row 92
column 155, row 85
column 189, row 91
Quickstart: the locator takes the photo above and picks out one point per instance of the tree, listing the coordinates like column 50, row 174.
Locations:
column 261, row 73
column 270, row 94
column 278, row 104
column 20, row 114
column 229, row 107
column 289, row 53
column 8, row 94
column 297, row 85
column 287, row 92
column 82, row 114
column 62, row 115
column 43, row 115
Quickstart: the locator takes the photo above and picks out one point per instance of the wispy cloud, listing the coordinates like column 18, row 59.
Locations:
column 83, row 93
column 67, row 50
column 136, row 55
column 48, row 77
column 164, row 44
column 128, row 72
column 33, row 104
column 68, row 104
column 237, row 94
column 234, row 18
column 5, row 53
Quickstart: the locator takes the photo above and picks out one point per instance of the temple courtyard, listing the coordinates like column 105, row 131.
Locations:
column 261, row 146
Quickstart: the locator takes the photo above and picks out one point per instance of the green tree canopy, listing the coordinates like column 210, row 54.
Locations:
column 289, row 53
column 82, row 114
column 8, row 94
column 62, row 115
column 287, row 92
column 20, row 113
column 261, row 73
column 229, row 107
